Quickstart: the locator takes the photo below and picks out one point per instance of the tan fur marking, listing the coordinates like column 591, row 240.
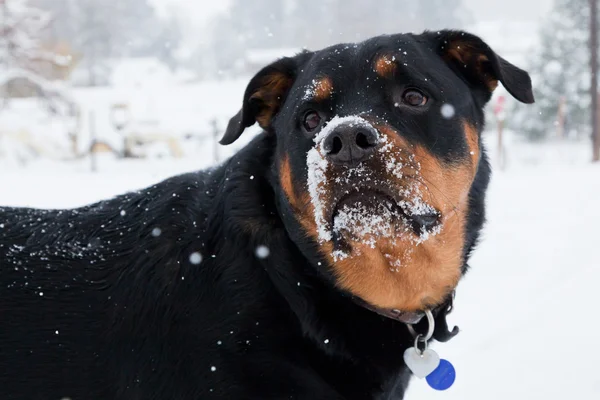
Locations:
column 299, row 205
column 385, row 66
column 285, row 177
column 323, row 88
column 463, row 54
column 472, row 137
column 490, row 80
column 272, row 89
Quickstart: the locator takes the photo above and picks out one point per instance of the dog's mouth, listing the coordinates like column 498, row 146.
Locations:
column 407, row 317
column 370, row 214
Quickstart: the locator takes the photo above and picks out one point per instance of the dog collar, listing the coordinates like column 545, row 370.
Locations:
column 414, row 317
column 420, row 360
column 407, row 317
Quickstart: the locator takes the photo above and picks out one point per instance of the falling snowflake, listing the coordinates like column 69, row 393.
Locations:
column 195, row 258
column 262, row 252
column 448, row 111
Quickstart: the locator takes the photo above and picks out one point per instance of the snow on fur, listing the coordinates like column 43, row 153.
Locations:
column 362, row 222
column 317, row 167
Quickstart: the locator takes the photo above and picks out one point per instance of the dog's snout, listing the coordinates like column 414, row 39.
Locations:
column 349, row 145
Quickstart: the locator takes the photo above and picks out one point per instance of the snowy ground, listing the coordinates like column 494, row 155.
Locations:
column 528, row 307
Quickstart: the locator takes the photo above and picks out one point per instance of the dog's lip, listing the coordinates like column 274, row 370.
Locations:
column 366, row 193
column 407, row 317
column 417, row 221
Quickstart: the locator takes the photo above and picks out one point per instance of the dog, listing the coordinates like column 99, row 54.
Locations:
column 292, row 270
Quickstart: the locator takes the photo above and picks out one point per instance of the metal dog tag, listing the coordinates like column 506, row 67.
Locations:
column 421, row 363
column 426, row 363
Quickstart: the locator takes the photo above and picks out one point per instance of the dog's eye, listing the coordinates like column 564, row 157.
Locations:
column 312, row 120
column 414, row 98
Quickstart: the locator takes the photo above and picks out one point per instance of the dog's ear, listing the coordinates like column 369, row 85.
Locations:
column 471, row 58
column 264, row 95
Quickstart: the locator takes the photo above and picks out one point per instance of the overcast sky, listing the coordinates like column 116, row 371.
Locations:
column 507, row 25
column 530, row 10
column 527, row 10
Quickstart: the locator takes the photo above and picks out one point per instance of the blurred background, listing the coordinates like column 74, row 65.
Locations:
column 98, row 97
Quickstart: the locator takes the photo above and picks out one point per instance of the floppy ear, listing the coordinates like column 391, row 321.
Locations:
column 264, row 95
column 471, row 58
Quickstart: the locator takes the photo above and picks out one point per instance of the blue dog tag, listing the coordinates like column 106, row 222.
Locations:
column 442, row 377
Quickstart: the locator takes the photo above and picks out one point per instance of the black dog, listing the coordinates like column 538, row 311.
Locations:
column 290, row 271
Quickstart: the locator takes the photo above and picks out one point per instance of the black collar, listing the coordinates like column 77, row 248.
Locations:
column 415, row 318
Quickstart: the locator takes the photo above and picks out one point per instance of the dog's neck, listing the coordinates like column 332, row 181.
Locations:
column 330, row 322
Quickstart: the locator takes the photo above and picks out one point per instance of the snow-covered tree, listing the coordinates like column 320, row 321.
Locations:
column 22, row 54
column 101, row 30
column 560, row 72
column 21, row 28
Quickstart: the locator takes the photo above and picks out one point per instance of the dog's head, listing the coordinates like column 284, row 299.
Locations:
column 378, row 148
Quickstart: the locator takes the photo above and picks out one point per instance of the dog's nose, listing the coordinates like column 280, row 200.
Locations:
column 350, row 145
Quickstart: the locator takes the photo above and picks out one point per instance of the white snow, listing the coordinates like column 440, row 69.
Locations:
column 526, row 308
column 195, row 258
column 363, row 222
column 359, row 220
column 262, row 252
column 447, row 110
column 156, row 232
column 312, row 88
column 317, row 166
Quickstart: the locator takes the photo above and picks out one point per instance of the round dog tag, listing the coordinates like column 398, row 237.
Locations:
column 443, row 377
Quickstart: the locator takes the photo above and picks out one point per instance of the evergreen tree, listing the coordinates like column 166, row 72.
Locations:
column 559, row 70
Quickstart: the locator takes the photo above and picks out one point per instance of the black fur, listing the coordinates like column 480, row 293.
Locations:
column 102, row 302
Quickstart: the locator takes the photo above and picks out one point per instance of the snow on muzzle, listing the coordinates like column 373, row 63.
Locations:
column 377, row 197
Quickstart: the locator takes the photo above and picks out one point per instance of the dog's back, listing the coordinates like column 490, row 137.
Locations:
column 69, row 281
